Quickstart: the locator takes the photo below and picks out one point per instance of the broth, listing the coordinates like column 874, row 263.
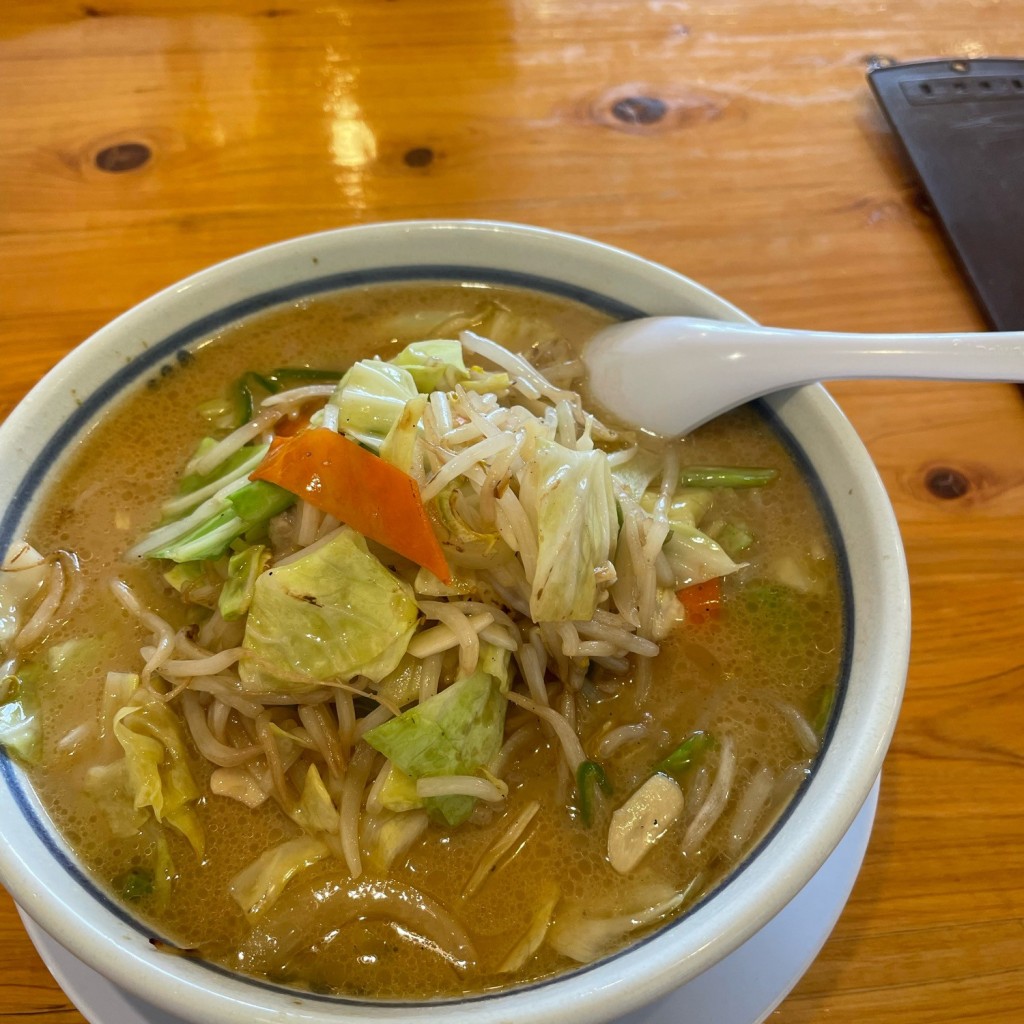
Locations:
column 760, row 674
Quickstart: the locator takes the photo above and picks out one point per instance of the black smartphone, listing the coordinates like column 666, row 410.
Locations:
column 961, row 123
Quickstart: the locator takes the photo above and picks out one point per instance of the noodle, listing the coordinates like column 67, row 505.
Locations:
column 209, row 746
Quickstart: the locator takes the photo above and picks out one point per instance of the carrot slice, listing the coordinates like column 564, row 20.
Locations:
column 354, row 485
column 296, row 423
column 702, row 601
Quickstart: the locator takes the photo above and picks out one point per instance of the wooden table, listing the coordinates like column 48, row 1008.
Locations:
column 734, row 140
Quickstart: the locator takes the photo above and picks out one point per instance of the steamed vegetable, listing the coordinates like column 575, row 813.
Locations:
column 244, row 568
column 590, row 776
column 362, row 490
column 682, row 757
column 433, row 365
column 213, row 510
column 455, row 732
column 702, row 602
column 21, row 731
column 694, row 557
column 722, row 476
column 687, row 508
column 583, row 934
column 334, row 613
column 371, row 397
column 575, row 531
column 159, row 778
column 238, row 406
column 257, row 887
column 21, row 721
column 643, row 820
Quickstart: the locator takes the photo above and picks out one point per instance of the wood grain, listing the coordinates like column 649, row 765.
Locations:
column 733, row 140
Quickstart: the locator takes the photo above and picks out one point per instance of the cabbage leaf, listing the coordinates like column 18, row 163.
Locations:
column 316, row 811
column 694, row 557
column 576, row 529
column 21, row 731
column 334, row 613
column 434, row 365
column 371, row 397
column 455, row 732
column 399, row 447
column 635, row 475
column 157, row 764
column 689, row 506
column 244, row 567
column 257, row 887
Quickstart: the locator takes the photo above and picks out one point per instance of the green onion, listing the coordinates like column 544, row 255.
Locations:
column 588, row 775
column 685, row 754
column 726, row 476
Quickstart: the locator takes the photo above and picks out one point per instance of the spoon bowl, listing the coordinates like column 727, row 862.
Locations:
column 670, row 374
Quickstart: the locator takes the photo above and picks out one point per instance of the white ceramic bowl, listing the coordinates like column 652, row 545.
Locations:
column 41, row 872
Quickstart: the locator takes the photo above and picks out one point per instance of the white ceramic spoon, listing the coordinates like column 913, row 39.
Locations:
column 670, row 374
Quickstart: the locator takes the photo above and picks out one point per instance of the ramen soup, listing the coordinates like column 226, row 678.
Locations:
column 352, row 652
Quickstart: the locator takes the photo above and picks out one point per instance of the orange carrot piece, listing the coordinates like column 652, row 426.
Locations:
column 288, row 426
column 373, row 497
column 702, row 601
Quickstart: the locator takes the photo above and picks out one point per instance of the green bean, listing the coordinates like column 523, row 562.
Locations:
column 726, row 476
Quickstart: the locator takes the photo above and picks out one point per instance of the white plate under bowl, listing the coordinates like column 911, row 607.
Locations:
column 743, row 988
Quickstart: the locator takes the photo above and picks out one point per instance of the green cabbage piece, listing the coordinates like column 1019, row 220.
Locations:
column 108, row 786
column 157, row 764
column 434, row 365
column 455, row 732
column 635, row 476
column 151, row 884
column 332, row 614
column 734, row 539
column 495, row 661
column 399, row 792
column 402, row 685
column 258, row 886
column 694, row 557
column 399, row 446
column 689, row 505
column 371, row 397
column 394, row 836
column 316, row 811
column 244, row 567
column 21, row 730
column 457, row 533
column 577, row 524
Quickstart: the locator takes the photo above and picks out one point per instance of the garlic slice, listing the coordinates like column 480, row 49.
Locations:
column 642, row 820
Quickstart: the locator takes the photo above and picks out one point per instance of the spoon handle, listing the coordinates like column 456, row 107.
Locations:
column 800, row 357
